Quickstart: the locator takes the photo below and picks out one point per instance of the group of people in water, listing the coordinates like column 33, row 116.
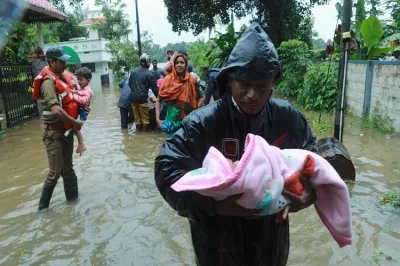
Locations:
column 162, row 97
column 223, row 231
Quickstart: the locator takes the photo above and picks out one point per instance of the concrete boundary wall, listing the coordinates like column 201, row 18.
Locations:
column 374, row 84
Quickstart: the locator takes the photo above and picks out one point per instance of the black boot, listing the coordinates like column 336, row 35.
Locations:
column 45, row 197
column 71, row 188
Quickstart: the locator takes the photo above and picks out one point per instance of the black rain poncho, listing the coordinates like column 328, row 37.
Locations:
column 223, row 240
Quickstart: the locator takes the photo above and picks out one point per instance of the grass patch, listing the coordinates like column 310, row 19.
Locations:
column 392, row 198
column 321, row 125
column 380, row 121
column 380, row 256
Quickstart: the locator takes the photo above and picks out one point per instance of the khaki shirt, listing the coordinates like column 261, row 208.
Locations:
column 48, row 98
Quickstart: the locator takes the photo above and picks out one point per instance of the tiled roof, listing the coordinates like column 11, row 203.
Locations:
column 46, row 5
column 90, row 21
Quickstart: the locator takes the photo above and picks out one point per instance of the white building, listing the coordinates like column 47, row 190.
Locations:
column 91, row 51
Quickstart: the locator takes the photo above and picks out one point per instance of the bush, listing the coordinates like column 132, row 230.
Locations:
column 319, row 89
column 294, row 57
column 379, row 120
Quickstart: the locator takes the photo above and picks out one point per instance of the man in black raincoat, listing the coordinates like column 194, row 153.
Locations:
column 223, row 233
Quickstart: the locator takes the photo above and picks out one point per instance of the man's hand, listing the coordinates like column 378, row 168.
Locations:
column 298, row 202
column 81, row 149
column 229, row 207
column 159, row 123
column 63, row 116
column 77, row 125
column 201, row 101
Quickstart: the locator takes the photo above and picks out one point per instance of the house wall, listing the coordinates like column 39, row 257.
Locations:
column 89, row 51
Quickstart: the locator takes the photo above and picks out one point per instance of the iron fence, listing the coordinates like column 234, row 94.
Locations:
column 19, row 105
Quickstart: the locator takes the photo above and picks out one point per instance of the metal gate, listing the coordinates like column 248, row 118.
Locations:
column 105, row 81
column 19, row 105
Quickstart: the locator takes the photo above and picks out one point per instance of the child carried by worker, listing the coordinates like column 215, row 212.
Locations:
column 261, row 175
column 82, row 96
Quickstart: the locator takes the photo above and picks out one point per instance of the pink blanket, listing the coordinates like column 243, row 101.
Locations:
column 261, row 175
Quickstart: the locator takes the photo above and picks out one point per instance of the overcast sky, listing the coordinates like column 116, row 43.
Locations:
column 153, row 18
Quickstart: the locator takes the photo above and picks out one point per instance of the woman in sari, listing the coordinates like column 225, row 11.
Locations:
column 181, row 93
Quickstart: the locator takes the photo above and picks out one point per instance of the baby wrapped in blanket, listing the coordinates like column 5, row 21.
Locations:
column 261, row 175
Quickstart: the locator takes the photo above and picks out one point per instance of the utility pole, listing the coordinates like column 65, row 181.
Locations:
column 138, row 29
column 342, row 75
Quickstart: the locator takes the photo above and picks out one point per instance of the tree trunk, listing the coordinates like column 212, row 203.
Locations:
column 274, row 10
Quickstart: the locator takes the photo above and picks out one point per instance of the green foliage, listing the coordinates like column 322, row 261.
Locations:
column 339, row 10
column 321, row 126
column 63, row 31
column 371, row 34
column 285, row 20
column 378, row 256
column 293, row 55
column 146, row 41
column 175, row 47
column 374, row 11
column 392, row 198
column 124, row 56
column 374, row 41
column 197, row 52
column 318, row 54
column 394, row 7
column 157, row 52
column 305, row 31
column 124, row 53
column 60, row 4
column 389, row 37
column 371, row 31
column 116, row 24
column 280, row 17
column 360, row 17
column 22, row 41
column 379, row 120
column 48, row 35
column 223, row 45
column 319, row 90
column 319, row 44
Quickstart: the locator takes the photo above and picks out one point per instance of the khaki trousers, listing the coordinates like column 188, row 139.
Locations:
column 59, row 152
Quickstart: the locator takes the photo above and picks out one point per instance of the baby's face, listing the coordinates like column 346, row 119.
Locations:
column 82, row 82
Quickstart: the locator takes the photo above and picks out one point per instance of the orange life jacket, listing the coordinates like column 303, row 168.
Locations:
column 64, row 90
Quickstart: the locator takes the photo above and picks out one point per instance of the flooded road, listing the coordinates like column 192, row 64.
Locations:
column 121, row 218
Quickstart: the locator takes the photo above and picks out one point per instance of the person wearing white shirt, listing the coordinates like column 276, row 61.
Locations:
column 151, row 100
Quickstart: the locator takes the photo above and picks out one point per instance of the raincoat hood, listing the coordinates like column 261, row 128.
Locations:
column 253, row 58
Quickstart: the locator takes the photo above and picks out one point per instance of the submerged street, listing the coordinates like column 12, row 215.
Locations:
column 121, row 219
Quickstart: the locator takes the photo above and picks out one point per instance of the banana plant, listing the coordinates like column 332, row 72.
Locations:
column 372, row 32
column 223, row 45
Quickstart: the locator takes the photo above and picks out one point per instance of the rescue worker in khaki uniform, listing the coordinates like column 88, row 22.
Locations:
column 59, row 144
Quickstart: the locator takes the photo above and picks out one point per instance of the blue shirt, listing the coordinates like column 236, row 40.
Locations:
column 125, row 97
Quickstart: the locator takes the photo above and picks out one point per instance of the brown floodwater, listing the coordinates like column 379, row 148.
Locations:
column 121, row 219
